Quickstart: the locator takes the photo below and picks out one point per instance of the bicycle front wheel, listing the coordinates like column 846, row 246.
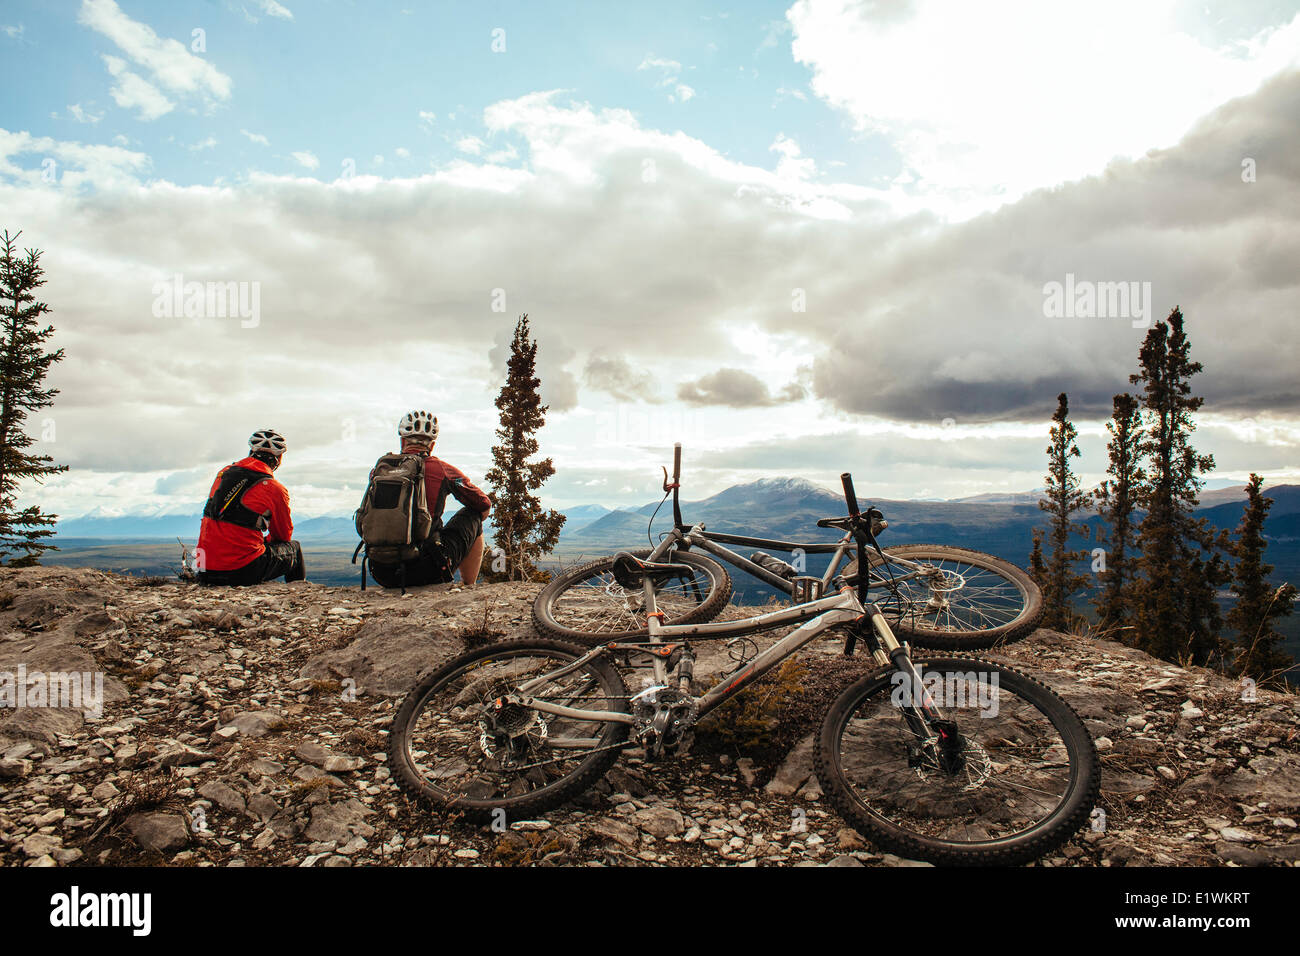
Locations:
column 1018, row 779
column 451, row 746
column 586, row 604
column 953, row 599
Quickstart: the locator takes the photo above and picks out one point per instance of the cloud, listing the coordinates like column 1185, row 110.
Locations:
column 669, row 76
column 665, row 66
column 82, row 115
column 736, row 388
column 277, row 10
column 617, row 377
column 170, row 65
column 1181, row 219
column 985, row 102
column 131, row 92
column 774, row 31
column 904, row 319
column 255, row 138
column 427, row 120
column 202, row 144
column 306, row 159
column 75, row 165
column 402, row 152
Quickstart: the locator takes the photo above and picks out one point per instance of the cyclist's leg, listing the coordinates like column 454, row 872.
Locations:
column 254, row 572
column 462, row 543
column 284, row 559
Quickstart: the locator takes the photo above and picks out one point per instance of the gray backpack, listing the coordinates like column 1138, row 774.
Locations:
column 394, row 517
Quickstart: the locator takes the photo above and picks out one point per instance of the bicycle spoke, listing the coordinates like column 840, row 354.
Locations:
column 955, row 597
column 601, row 606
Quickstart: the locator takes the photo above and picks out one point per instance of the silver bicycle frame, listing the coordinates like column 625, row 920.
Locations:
column 817, row 616
column 698, row 537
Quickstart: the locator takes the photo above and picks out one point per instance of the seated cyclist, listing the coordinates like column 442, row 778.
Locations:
column 456, row 545
column 244, row 502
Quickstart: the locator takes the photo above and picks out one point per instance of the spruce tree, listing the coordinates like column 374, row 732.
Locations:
column 524, row 532
column 1037, row 566
column 1116, row 500
column 1064, row 500
column 1258, row 651
column 24, row 364
column 1175, row 614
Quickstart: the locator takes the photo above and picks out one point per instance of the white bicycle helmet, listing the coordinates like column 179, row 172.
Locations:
column 419, row 425
column 267, row 440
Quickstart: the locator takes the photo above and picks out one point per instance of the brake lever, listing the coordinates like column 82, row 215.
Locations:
column 668, row 486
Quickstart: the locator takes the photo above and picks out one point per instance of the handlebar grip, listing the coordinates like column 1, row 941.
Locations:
column 850, row 498
column 677, row 463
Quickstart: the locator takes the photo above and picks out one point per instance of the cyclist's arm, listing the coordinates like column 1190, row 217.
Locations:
column 465, row 491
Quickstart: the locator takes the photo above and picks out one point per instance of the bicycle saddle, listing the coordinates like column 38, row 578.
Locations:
column 631, row 572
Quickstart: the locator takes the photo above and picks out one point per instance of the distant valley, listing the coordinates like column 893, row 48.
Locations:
column 786, row 508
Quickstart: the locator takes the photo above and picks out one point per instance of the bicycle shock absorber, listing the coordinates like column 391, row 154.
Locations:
column 685, row 670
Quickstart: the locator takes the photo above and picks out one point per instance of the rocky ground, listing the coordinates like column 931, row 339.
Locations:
column 247, row 727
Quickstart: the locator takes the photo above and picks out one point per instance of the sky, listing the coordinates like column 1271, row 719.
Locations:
column 800, row 238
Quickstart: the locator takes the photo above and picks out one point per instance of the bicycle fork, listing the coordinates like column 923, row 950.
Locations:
column 933, row 732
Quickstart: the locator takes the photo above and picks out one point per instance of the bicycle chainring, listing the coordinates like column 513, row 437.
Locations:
column 663, row 717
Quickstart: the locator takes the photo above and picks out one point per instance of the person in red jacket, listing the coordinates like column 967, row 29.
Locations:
column 456, row 545
column 244, row 502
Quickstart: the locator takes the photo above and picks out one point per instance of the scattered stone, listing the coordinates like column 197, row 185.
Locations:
column 616, row 830
column 162, row 832
column 794, row 771
column 660, row 822
column 257, row 723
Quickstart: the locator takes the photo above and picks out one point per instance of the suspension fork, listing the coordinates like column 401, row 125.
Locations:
column 920, row 711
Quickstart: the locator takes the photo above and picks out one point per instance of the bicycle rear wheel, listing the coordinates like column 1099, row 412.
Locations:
column 958, row 599
column 1020, row 779
column 450, row 747
column 586, row 604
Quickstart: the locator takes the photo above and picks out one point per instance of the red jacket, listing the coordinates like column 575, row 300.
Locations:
column 227, row 547
column 442, row 479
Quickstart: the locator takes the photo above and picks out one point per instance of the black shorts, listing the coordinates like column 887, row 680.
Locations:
column 280, row 559
column 438, row 560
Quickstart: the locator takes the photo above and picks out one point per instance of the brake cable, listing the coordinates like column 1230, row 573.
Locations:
column 649, row 529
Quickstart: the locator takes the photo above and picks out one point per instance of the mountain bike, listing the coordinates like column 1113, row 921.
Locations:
column 954, row 760
column 933, row 596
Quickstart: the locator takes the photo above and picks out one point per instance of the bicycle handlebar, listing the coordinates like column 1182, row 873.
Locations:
column 677, row 484
column 849, row 497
